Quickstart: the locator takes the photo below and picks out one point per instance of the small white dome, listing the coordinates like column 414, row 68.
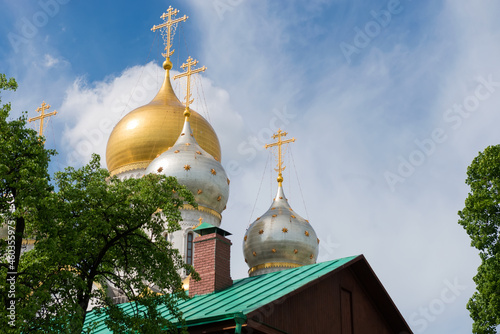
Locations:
column 279, row 239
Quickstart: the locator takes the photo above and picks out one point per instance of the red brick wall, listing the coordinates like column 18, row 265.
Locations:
column 212, row 262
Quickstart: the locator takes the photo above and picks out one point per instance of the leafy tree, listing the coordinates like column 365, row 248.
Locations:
column 97, row 231
column 24, row 182
column 93, row 233
column 481, row 220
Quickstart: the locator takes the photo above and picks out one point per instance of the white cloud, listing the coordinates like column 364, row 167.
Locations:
column 50, row 61
column 355, row 123
column 271, row 68
column 91, row 110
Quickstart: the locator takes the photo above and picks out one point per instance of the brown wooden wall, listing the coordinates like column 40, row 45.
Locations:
column 336, row 304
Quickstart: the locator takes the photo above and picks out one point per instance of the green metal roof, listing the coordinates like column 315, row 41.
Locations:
column 206, row 228
column 243, row 297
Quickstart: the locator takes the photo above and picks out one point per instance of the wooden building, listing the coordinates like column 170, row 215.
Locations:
column 342, row 296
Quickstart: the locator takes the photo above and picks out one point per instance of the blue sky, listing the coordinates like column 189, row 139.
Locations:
column 389, row 102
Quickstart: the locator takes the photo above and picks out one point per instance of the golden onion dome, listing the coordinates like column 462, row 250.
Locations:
column 150, row 130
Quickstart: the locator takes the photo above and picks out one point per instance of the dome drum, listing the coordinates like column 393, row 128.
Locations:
column 191, row 217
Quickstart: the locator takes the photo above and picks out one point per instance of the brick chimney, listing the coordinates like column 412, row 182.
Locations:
column 211, row 260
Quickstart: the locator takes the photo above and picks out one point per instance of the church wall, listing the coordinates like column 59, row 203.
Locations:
column 190, row 219
column 336, row 304
column 131, row 174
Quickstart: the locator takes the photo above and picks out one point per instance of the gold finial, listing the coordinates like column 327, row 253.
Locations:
column 200, row 222
column 168, row 24
column 279, row 143
column 190, row 62
column 42, row 115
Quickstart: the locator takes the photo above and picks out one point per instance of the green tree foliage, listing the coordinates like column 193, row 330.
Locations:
column 481, row 219
column 92, row 233
column 96, row 231
column 24, row 183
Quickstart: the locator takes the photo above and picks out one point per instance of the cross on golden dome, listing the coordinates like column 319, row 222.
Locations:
column 167, row 24
column 42, row 115
column 280, row 143
column 189, row 71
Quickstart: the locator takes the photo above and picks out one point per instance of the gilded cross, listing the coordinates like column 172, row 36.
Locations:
column 280, row 143
column 42, row 115
column 167, row 24
column 189, row 71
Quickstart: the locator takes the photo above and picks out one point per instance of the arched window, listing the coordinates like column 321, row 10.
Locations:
column 189, row 249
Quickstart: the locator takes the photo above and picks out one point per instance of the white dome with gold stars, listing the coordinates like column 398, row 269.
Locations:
column 196, row 169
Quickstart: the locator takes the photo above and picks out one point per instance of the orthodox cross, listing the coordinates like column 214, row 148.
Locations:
column 42, row 115
column 190, row 62
column 279, row 143
column 167, row 24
